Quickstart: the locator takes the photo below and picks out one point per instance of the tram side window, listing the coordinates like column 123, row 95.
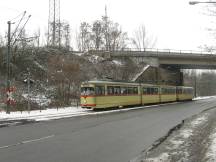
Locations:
column 145, row 90
column 123, row 90
column 87, row 91
column 171, row 91
column 179, row 91
column 188, row 91
column 135, row 90
column 130, row 90
column 164, row 91
column 149, row 91
column 117, row 90
column 155, row 90
column 168, row 91
column 99, row 90
column 110, row 90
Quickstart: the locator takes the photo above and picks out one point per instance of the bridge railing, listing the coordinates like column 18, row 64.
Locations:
column 154, row 50
column 176, row 51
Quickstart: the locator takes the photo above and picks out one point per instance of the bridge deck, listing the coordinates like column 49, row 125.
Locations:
column 179, row 59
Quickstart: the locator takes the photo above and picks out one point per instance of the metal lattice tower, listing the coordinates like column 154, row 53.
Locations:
column 106, row 28
column 54, row 23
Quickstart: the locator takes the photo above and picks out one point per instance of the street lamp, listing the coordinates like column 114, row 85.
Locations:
column 197, row 2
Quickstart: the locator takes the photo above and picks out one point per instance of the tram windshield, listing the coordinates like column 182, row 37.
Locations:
column 87, row 91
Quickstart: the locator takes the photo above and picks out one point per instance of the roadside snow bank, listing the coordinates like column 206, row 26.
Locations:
column 161, row 157
column 211, row 152
column 181, row 144
column 204, row 97
column 43, row 114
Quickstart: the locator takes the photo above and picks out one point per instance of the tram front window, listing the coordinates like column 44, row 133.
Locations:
column 87, row 91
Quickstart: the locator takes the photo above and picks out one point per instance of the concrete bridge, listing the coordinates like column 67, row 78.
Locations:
column 173, row 58
column 164, row 65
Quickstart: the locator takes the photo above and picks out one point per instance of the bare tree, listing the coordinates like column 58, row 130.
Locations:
column 117, row 38
column 206, row 85
column 114, row 37
column 1, row 41
column 97, row 34
column 210, row 11
column 64, row 74
column 102, row 34
column 83, row 36
column 142, row 40
column 65, row 36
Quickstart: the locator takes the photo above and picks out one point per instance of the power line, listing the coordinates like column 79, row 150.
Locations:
column 21, row 30
column 17, row 16
column 18, row 25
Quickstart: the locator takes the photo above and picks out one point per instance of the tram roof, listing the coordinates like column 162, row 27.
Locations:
column 109, row 82
column 114, row 82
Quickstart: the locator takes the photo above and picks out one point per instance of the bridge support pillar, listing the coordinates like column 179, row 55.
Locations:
column 162, row 76
column 181, row 79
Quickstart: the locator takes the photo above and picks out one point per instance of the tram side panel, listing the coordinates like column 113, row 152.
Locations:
column 168, row 94
column 117, row 96
column 150, row 95
column 184, row 93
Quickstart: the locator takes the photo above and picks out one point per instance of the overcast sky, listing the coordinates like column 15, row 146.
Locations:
column 175, row 23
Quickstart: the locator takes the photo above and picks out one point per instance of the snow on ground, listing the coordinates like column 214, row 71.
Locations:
column 178, row 141
column 211, row 153
column 204, row 97
column 40, row 99
column 43, row 114
column 199, row 121
column 175, row 147
column 186, row 133
column 78, row 53
column 117, row 62
column 40, row 66
column 95, row 59
column 162, row 157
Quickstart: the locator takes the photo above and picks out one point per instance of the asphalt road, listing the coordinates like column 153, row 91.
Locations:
column 114, row 137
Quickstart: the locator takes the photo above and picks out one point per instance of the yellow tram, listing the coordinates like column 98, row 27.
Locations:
column 105, row 94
